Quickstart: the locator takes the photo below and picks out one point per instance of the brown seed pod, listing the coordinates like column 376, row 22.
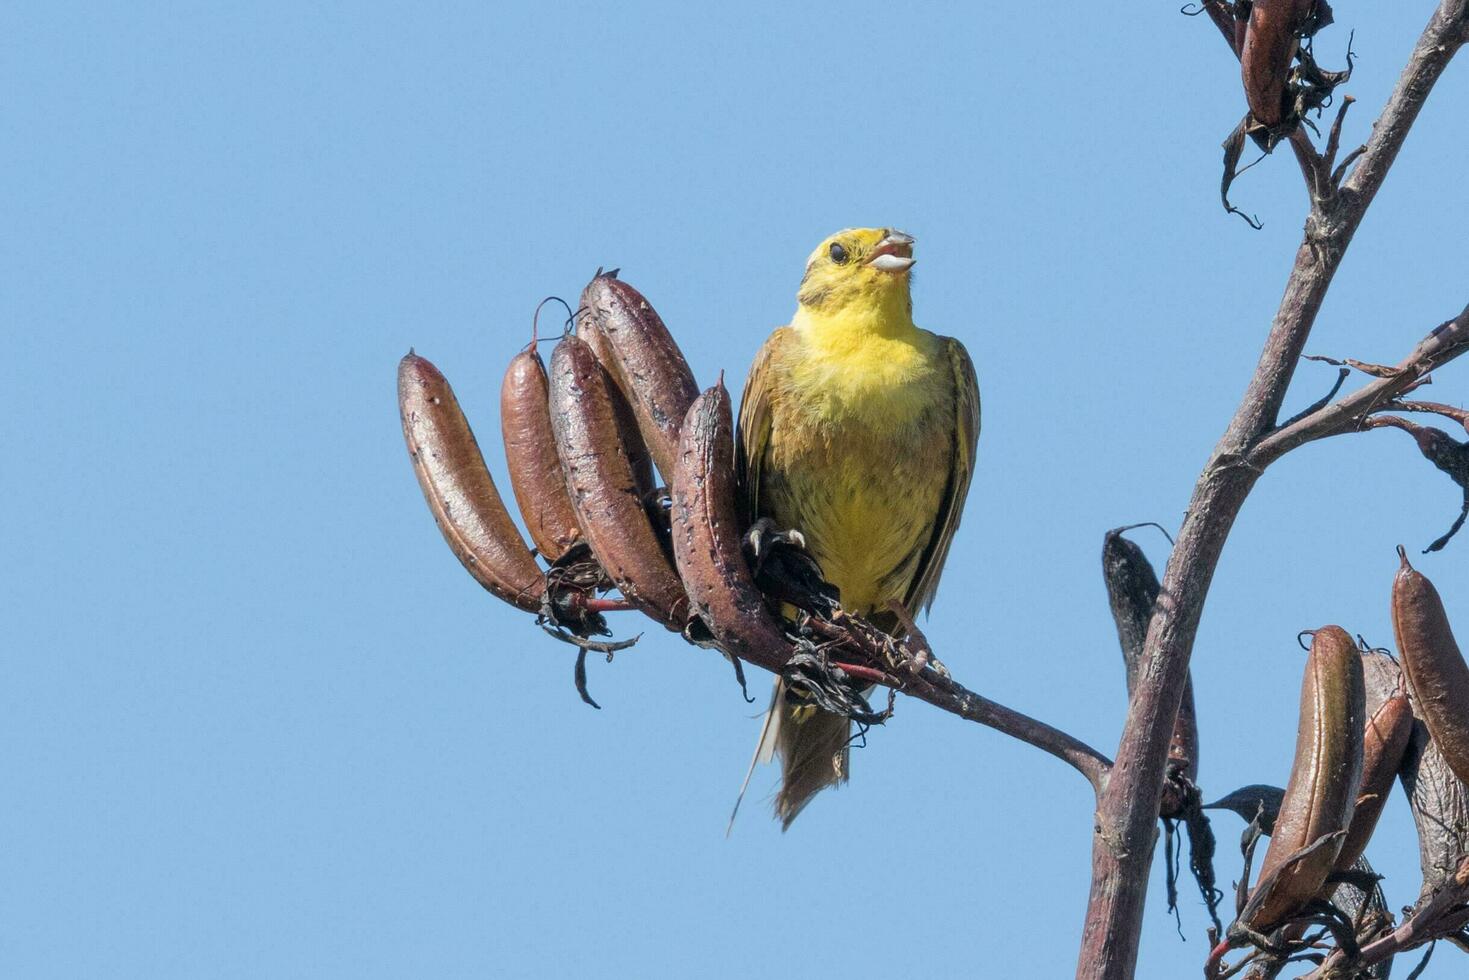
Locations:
column 603, row 488
column 1271, row 41
column 638, row 456
column 1438, row 678
column 1384, row 741
column 530, row 452
column 451, row 470
column 706, row 537
column 1240, row 26
column 644, row 361
column 1322, row 793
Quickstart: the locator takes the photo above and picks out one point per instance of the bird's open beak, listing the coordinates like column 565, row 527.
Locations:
column 893, row 254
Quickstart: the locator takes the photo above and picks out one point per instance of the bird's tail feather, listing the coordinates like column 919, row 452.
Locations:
column 814, row 751
column 764, row 749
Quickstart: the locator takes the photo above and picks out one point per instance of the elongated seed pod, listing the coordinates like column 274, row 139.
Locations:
column 604, row 492
column 633, row 445
column 642, row 357
column 465, row 503
column 706, row 537
column 1270, row 44
column 530, row 452
column 1132, row 591
column 1241, row 25
column 1437, row 675
column 1322, row 792
column 1384, row 741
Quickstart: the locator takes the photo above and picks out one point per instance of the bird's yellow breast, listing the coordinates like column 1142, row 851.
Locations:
column 860, row 450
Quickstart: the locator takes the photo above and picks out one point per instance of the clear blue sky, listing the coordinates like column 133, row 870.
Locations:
column 258, row 722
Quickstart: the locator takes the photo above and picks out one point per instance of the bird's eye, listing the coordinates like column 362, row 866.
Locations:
column 838, row 254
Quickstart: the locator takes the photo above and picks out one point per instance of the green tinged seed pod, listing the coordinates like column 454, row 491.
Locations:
column 1321, row 796
column 1384, row 742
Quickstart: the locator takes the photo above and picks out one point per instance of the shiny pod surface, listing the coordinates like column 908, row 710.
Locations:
column 1438, row 678
column 1270, row 44
column 530, row 454
column 1384, row 743
column 457, row 485
column 644, row 361
column 1322, row 793
column 603, row 486
column 707, row 540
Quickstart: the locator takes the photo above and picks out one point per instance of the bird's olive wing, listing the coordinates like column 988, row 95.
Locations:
column 752, row 440
column 961, row 469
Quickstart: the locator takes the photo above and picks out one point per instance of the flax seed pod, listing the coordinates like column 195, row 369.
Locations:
column 602, row 484
column 1437, row 675
column 1321, row 795
column 457, row 485
column 530, row 453
column 1270, row 45
column 644, row 360
column 706, row 537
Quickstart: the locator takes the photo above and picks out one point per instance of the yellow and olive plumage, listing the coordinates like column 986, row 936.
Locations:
column 857, row 428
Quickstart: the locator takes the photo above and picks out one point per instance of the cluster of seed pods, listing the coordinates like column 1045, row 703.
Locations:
column 1365, row 722
column 581, row 442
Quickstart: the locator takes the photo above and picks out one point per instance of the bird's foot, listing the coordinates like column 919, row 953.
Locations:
column 921, row 652
column 785, row 569
column 764, row 536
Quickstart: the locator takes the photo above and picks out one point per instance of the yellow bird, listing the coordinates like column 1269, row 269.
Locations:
column 857, row 428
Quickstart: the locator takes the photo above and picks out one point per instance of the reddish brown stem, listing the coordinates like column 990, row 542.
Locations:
column 598, row 605
column 864, row 673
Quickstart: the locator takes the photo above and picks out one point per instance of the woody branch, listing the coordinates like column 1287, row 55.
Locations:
column 1126, row 817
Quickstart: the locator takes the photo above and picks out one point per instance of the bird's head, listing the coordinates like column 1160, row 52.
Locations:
column 858, row 266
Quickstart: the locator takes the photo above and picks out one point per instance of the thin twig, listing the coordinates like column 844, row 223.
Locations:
column 1460, row 415
column 953, row 697
column 1333, row 142
column 949, row 695
column 1445, row 343
column 1341, row 378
